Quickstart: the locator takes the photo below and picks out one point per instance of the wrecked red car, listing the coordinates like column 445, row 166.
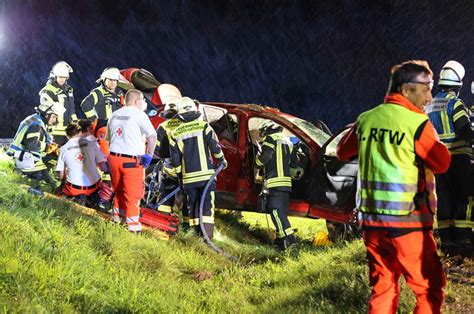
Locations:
column 323, row 186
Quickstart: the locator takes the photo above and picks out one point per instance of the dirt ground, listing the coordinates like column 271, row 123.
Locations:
column 460, row 272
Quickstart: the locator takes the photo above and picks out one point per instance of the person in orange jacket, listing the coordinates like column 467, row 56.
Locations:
column 129, row 156
column 398, row 152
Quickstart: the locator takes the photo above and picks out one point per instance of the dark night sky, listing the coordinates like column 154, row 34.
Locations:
column 324, row 60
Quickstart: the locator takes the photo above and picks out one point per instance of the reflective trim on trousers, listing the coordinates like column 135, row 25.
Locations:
column 443, row 224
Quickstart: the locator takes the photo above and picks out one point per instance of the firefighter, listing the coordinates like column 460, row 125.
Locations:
column 398, row 152
column 169, row 179
column 450, row 117
column 77, row 164
column 192, row 146
column 275, row 159
column 129, row 156
column 33, row 146
column 57, row 91
column 101, row 102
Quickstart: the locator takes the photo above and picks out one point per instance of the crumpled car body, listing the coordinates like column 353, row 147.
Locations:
column 323, row 186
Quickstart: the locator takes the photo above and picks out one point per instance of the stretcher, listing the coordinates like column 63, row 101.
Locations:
column 161, row 225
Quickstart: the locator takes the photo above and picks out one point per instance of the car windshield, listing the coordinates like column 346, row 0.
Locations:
column 317, row 135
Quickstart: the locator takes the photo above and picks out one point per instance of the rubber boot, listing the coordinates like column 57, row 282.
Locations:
column 209, row 228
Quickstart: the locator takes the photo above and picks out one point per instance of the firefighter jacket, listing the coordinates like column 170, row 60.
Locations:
column 163, row 134
column 450, row 117
column 29, row 144
column 393, row 183
column 100, row 104
column 63, row 95
column 275, row 158
column 192, row 146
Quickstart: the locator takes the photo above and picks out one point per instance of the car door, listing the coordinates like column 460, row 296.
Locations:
column 333, row 182
column 226, row 127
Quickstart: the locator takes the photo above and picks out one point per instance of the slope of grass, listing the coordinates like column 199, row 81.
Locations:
column 52, row 258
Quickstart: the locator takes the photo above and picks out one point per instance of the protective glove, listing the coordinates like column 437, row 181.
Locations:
column 52, row 148
column 145, row 160
column 223, row 162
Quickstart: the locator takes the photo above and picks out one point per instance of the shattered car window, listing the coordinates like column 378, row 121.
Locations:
column 218, row 118
column 318, row 135
column 331, row 148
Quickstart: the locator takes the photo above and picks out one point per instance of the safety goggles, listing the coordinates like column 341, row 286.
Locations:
column 428, row 83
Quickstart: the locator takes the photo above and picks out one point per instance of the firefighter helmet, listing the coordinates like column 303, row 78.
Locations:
column 47, row 109
column 186, row 104
column 171, row 108
column 111, row 74
column 60, row 69
column 451, row 74
column 267, row 127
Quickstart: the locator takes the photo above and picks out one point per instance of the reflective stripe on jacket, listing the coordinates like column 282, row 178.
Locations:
column 30, row 139
column 389, row 190
column 443, row 112
column 275, row 158
column 192, row 146
column 101, row 103
column 162, row 150
column 51, row 94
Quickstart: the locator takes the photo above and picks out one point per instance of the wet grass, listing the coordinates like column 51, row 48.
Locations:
column 54, row 259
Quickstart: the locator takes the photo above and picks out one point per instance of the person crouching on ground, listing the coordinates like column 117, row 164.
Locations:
column 77, row 164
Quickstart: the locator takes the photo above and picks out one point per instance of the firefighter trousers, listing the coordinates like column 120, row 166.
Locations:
column 412, row 255
column 455, row 190
column 167, row 185
column 194, row 196
column 127, row 180
column 277, row 206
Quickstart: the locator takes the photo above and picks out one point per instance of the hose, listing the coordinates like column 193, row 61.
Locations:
column 201, row 223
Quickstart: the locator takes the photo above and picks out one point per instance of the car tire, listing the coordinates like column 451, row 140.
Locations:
column 342, row 231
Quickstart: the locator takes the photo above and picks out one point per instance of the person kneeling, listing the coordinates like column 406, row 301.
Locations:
column 77, row 166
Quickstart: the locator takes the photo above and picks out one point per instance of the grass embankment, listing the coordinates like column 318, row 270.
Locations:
column 54, row 259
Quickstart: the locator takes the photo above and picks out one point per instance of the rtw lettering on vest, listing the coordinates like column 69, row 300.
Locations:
column 380, row 135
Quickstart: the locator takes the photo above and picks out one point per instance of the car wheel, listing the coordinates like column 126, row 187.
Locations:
column 152, row 180
column 342, row 232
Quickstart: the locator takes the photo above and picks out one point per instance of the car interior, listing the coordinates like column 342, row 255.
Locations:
column 333, row 182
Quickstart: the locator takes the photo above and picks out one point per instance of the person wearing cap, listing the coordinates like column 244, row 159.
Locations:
column 275, row 158
column 77, row 163
column 132, row 140
column 101, row 102
column 450, row 117
column 33, row 146
column 398, row 151
column 192, row 145
column 57, row 91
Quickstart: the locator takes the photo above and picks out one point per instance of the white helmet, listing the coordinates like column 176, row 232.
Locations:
column 61, row 69
column 186, row 104
column 171, row 108
column 111, row 74
column 452, row 74
column 46, row 109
